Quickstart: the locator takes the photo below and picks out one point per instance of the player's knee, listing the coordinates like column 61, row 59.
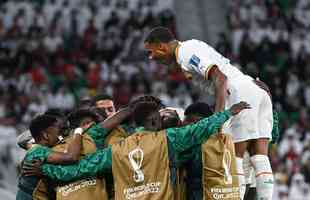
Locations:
column 240, row 148
column 259, row 146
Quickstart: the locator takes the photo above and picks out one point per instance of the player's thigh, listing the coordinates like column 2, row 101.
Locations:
column 265, row 117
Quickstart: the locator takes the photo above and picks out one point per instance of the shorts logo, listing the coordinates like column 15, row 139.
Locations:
column 136, row 158
column 194, row 61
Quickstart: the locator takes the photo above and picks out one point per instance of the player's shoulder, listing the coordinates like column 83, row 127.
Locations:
column 193, row 43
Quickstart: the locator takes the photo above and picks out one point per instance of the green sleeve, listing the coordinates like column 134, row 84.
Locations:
column 38, row 152
column 98, row 134
column 275, row 129
column 89, row 166
column 185, row 137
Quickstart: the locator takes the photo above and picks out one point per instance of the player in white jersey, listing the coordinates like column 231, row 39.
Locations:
column 214, row 74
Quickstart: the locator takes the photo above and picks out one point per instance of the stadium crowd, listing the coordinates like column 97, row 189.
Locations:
column 270, row 40
column 55, row 52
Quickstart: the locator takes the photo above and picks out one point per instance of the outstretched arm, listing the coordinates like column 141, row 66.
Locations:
column 188, row 136
column 89, row 166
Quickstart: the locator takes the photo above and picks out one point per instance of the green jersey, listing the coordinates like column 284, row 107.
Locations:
column 180, row 139
column 32, row 187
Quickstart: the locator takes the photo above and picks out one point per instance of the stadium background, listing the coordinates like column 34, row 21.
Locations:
column 54, row 52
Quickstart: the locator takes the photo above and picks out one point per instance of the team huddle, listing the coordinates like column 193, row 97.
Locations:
column 148, row 151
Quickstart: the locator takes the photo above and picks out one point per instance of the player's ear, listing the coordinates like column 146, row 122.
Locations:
column 45, row 135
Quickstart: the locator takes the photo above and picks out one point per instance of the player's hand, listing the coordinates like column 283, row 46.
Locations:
column 238, row 107
column 33, row 168
column 262, row 85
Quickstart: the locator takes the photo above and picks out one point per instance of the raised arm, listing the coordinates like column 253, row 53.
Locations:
column 115, row 120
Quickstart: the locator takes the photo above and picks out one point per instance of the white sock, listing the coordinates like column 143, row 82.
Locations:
column 241, row 177
column 264, row 177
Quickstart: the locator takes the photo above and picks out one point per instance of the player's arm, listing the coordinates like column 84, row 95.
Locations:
column 90, row 166
column 115, row 120
column 73, row 152
column 188, row 136
column 220, row 83
column 101, row 131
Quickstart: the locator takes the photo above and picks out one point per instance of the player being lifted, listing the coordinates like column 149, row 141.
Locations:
column 214, row 74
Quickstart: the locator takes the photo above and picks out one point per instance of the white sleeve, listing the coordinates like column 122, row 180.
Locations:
column 198, row 57
column 200, row 64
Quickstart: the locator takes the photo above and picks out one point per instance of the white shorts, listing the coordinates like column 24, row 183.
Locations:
column 252, row 123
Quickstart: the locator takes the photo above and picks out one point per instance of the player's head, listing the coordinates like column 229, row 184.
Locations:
column 158, row 44
column 61, row 118
column 170, row 118
column 196, row 112
column 105, row 102
column 45, row 130
column 146, row 114
column 82, row 118
column 84, row 103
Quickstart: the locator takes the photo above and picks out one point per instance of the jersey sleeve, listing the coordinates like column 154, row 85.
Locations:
column 196, row 57
column 185, row 137
column 98, row 134
column 38, row 152
column 89, row 166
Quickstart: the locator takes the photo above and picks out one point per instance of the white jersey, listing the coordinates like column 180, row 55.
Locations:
column 197, row 58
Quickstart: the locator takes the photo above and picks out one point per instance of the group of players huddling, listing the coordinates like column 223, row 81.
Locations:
column 146, row 151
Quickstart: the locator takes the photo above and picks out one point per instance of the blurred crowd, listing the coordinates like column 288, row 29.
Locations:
column 55, row 52
column 270, row 39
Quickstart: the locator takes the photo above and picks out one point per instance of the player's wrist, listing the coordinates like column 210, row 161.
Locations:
column 78, row 131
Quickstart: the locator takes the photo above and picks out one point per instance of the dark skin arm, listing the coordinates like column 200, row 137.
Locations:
column 220, row 82
column 72, row 155
column 115, row 120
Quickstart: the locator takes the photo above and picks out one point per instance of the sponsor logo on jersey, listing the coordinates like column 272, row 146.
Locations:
column 194, row 61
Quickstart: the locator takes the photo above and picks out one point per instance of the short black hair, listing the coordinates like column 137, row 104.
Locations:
column 75, row 117
column 143, row 110
column 55, row 112
column 40, row 123
column 199, row 108
column 159, row 34
column 84, row 103
column 100, row 97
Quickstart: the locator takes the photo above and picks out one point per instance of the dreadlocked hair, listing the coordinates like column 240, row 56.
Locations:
column 149, row 98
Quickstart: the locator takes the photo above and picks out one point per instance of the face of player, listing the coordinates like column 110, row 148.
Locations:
column 51, row 134
column 154, row 122
column 169, row 118
column 86, row 122
column 107, row 106
column 160, row 52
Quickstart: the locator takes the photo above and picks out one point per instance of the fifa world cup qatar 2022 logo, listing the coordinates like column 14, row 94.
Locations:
column 136, row 158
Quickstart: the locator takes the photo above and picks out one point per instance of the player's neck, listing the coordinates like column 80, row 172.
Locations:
column 173, row 47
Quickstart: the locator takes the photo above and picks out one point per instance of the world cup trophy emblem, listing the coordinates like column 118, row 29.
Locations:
column 136, row 158
column 227, row 166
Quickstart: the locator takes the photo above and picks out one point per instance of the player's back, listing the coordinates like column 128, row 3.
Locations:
column 207, row 56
